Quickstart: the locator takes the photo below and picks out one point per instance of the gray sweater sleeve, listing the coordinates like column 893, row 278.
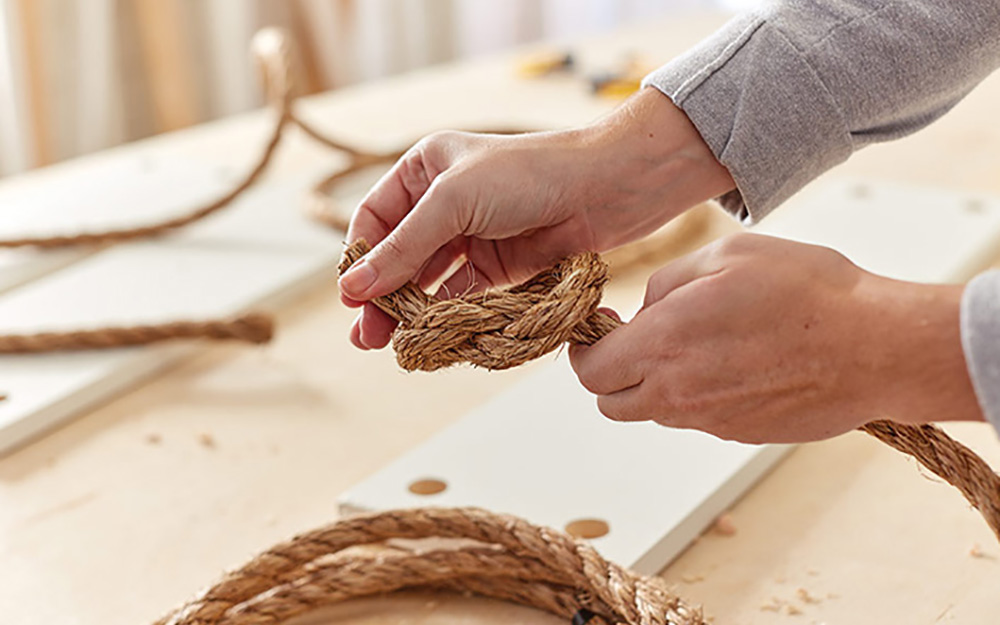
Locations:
column 981, row 341
column 784, row 93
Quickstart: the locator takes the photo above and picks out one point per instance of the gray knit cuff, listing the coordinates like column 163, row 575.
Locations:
column 762, row 110
column 981, row 341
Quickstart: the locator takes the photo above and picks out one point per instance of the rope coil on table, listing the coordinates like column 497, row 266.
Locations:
column 510, row 559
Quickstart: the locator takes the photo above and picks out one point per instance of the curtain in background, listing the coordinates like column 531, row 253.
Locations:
column 81, row 75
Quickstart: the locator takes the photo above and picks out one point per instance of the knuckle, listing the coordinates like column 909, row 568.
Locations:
column 589, row 379
column 614, row 411
column 391, row 249
column 735, row 244
column 443, row 143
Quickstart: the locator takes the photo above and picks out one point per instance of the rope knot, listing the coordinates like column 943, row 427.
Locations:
column 496, row 328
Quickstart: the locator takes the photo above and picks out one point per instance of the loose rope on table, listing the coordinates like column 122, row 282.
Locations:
column 501, row 328
column 496, row 556
column 250, row 328
column 271, row 51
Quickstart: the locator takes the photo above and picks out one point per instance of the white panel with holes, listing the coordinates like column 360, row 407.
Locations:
column 252, row 253
column 542, row 451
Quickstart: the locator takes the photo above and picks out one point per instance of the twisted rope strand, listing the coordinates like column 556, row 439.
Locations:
column 251, row 328
column 272, row 55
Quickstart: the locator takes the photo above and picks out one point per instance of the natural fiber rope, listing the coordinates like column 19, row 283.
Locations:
column 250, row 328
column 496, row 328
column 501, row 328
column 272, row 55
column 510, row 559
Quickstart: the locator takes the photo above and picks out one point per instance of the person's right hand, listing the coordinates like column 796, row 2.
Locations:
column 514, row 205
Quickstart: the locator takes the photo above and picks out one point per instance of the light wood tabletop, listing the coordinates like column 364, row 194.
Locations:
column 127, row 511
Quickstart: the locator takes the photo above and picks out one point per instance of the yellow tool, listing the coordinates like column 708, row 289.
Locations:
column 623, row 82
column 544, row 64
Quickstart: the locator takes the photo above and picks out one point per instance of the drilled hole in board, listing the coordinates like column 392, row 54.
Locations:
column 427, row 487
column 587, row 528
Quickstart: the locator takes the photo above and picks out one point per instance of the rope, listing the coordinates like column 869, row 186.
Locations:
column 272, row 56
column 273, row 61
column 496, row 328
column 250, row 328
column 501, row 328
column 507, row 558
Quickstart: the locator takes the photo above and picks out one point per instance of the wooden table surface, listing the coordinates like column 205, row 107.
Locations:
column 125, row 512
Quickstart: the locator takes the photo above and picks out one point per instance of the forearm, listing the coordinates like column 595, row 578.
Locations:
column 923, row 373
column 783, row 94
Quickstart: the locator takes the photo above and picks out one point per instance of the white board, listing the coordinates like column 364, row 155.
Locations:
column 253, row 253
column 542, row 451
column 920, row 234
column 115, row 192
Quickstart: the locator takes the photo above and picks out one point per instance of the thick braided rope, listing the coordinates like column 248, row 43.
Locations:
column 501, row 328
column 497, row 328
column 510, row 559
column 250, row 328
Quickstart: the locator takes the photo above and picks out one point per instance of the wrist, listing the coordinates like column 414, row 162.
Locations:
column 928, row 376
column 652, row 164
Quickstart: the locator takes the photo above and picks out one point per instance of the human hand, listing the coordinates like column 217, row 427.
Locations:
column 514, row 205
column 759, row 339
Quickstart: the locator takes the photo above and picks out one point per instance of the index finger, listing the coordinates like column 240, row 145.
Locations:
column 390, row 200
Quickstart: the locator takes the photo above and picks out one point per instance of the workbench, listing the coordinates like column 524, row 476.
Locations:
column 125, row 512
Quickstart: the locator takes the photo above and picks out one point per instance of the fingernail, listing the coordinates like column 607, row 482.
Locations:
column 358, row 279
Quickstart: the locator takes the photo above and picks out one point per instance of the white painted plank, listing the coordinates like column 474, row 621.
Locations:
column 911, row 233
column 256, row 252
column 542, row 450
column 110, row 193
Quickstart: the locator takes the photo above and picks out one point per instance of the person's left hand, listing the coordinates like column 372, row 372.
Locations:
column 759, row 339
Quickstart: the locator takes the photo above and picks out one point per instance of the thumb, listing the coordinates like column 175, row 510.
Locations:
column 433, row 222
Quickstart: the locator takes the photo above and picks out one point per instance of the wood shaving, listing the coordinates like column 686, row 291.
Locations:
column 977, row 552
column 805, row 597
column 689, row 578
column 153, row 439
column 206, row 440
column 792, row 610
column 774, row 605
column 724, row 525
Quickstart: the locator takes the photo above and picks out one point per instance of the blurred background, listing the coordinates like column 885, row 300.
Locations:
column 81, row 75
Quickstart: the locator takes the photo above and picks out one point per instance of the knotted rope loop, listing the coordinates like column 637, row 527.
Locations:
column 497, row 328
column 507, row 558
